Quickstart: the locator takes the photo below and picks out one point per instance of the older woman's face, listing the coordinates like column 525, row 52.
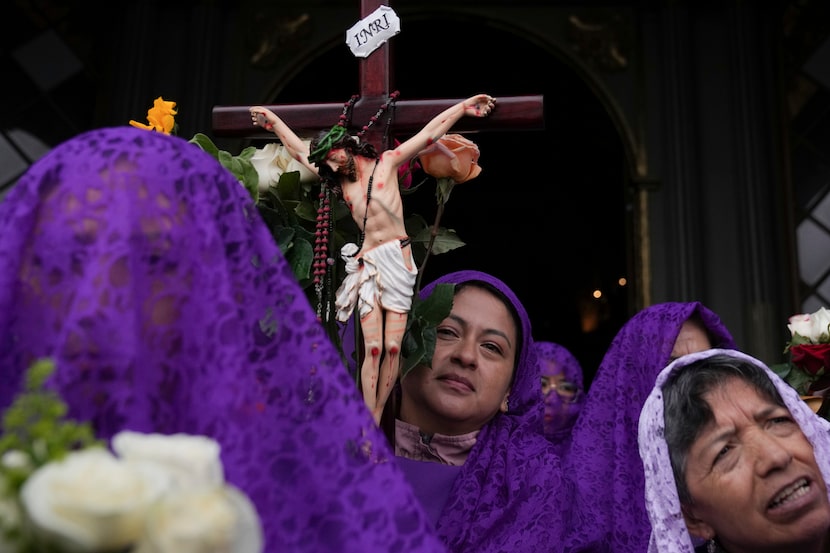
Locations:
column 471, row 370
column 753, row 477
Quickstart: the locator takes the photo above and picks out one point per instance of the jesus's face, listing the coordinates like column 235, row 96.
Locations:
column 342, row 164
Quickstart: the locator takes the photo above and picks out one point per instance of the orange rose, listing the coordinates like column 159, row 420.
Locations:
column 451, row 157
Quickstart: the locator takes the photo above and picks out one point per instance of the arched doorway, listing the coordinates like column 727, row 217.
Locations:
column 549, row 213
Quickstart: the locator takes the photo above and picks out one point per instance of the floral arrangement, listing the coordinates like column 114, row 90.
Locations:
column 809, row 351
column 152, row 493
column 285, row 195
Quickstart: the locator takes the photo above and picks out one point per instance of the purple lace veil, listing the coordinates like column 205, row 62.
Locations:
column 558, row 430
column 669, row 533
column 609, row 513
column 509, row 494
column 143, row 268
column 565, row 360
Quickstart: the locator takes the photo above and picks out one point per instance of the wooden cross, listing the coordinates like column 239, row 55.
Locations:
column 511, row 113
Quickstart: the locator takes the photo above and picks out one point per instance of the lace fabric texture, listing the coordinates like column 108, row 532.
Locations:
column 603, row 462
column 143, row 268
column 669, row 534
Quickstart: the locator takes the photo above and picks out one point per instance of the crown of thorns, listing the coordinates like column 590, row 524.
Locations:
column 323, row 148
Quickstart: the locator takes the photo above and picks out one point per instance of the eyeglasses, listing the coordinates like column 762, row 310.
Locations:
column 568, row 391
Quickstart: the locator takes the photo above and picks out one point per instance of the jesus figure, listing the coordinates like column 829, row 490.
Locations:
column 381, row 271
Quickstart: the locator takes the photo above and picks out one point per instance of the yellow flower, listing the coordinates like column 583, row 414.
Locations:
column 160, row 116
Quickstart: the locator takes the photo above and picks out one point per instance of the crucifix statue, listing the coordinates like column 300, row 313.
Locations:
column 381, row 272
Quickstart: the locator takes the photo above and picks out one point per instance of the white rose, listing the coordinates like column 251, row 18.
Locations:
column 801, row 324
column 220, row 520
column 813, row 327
column 193, row 461
column 89, row 501
column 821, row 322
column 272, row 160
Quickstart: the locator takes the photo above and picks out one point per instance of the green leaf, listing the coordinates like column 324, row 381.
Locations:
column 446, row 240
column 437, row 306
column 289, row 187
column 798, row 340
column 240, row 165
column 205, row 144
column 415, row 225
column 800, row 381
column 306, row 211
column 250, row 179
column 247, row 153
column 418, row 345
column 782, row 370
column 302, row 256
column 444, row 189
column 285, row 238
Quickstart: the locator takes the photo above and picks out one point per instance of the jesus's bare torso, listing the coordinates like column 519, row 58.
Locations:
column 384, row 218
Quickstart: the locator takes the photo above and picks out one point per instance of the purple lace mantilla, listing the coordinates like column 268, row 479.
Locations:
column 143, row 268
column 609, row 513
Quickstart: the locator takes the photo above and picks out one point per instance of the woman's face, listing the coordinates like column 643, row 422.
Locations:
column 753, row 477
column 469, row 380
column 692, row 338
column 562, row 398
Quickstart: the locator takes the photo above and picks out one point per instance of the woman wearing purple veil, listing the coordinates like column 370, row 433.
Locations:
column 734, row 460
column 142, row 267
column 603, row 462
column 468, row 432
column 562, row 390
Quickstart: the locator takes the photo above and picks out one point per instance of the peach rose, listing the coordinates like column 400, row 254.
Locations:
column 451, row 157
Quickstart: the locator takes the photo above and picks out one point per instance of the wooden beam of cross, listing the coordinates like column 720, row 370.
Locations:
column 511, row 113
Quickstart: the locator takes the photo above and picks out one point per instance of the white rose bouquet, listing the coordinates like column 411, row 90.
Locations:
column 153, row 493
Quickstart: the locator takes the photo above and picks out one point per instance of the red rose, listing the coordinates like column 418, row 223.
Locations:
column 811, row 357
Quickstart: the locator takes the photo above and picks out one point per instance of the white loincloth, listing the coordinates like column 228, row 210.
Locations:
column 381, row 279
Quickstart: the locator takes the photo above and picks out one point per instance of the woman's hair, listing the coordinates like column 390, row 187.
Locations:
column 517, row 321
column 686, row 412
